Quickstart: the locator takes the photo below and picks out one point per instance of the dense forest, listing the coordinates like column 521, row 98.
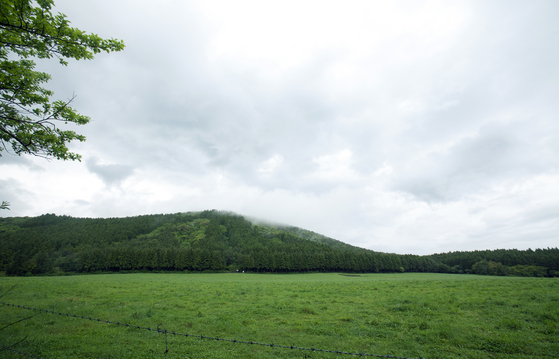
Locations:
column 218, row 241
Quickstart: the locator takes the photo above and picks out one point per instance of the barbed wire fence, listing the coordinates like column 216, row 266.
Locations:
column 166, row 332
column 18, row 352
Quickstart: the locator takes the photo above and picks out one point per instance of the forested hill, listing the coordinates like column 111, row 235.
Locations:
column 208, row 240
column 213, row 240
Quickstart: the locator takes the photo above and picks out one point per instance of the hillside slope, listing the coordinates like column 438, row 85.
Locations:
column 208, row 240
column 213, row 240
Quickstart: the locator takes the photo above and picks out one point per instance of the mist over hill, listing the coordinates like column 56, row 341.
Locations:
column 221, row 241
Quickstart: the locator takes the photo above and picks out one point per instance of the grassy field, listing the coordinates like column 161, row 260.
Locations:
column 407, row 315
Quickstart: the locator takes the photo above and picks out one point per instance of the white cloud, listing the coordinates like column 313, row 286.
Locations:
column 335, row 167
column 271, row 165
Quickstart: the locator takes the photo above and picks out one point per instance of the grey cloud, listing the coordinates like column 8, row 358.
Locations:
column 543, row 214
column 8, row 158
column 112, row 174
column 81, row 202
column 503, row 125
column 498, row 152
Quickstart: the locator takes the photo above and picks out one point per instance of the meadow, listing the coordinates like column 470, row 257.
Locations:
column 406, row 314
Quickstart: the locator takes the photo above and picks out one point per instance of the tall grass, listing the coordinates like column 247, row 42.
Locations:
column 409, row 315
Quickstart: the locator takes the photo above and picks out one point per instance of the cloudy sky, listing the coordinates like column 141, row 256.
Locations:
column 399, row 126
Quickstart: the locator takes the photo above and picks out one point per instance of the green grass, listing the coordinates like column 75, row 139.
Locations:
column 408, row 315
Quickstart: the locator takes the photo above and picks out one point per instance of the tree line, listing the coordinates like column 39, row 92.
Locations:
column 218, row 241
column 526, row 263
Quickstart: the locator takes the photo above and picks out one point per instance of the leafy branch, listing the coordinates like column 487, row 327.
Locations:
column 28, row 117
column 29, row 120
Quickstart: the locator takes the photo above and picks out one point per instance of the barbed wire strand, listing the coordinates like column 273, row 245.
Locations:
column 164, row 331
column 18, row 352
column 21, row 320
column 8, row 291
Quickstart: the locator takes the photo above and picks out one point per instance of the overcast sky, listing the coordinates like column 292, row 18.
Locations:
column 399, row 126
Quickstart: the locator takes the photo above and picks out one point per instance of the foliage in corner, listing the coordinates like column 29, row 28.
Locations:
column 29, row 120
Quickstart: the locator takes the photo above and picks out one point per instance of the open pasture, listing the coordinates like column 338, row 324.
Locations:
column 407, row 315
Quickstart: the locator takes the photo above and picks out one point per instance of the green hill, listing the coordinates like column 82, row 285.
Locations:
column 218, row 241
column 208, row 240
